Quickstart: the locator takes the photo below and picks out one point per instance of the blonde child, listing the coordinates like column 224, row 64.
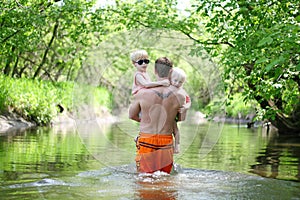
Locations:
column 178, row 78
column 140, row 60
column 141, row 79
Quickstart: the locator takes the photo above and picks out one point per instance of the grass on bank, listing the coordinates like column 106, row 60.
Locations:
column 37, row 100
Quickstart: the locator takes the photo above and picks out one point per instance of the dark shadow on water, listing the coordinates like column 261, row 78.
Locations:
column 270, row 162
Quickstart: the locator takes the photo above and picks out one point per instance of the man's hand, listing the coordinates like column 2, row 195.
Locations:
column 176, row 148
column 181, row 114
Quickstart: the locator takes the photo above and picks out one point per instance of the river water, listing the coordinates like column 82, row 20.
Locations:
column 93, row 160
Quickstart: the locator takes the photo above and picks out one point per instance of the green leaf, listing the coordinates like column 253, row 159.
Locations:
column 298, row 67
column 264, row 41
column 273, row 63
column 262, row 60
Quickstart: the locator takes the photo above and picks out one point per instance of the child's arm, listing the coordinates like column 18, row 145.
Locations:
column 142, row 81
column 177, row 138
column 187, row 104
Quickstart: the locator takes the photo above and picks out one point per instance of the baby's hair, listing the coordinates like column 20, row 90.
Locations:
column 178, row 73
column 136, row 55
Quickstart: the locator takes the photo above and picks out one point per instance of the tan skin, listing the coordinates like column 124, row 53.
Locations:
column 159, row 107
column 177, row 80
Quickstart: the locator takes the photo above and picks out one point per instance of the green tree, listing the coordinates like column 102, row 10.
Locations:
column 158, row 27
column 256, row 43
column 260, row 51
column 44, row 39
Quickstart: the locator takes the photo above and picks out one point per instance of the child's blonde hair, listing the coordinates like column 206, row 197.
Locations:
column 139, row 54
column 178, row 73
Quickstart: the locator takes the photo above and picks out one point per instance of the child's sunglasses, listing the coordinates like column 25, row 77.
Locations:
column 140, row 62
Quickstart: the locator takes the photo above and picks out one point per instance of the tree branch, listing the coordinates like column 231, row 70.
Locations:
column 46, row 51
column 206, row 43
column 13, row 34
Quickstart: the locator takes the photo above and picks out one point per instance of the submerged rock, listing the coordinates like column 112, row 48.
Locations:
column 12, row 122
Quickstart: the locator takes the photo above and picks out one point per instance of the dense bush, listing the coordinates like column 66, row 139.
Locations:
column 37, row 100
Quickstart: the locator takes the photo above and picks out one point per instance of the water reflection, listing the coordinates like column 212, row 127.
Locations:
column 41, row 150
column 156, row 186
column 282, row 154
column 62, row 164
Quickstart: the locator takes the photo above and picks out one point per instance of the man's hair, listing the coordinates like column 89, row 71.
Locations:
column 139, row 54
column 163, row 66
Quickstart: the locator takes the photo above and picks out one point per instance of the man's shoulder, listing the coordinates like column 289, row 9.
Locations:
column 178, row 93
column 142, row 92
column 168, row 91
column 147, row 92
column 162, row 89
column 182, row 91
column 175, row 90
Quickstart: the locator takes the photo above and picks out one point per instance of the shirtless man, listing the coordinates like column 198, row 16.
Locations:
column 159, row 107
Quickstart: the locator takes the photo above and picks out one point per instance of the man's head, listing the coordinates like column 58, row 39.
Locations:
column 163, row 66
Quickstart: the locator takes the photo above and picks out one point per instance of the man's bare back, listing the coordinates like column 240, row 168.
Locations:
column 156, row 110
column 159, row 107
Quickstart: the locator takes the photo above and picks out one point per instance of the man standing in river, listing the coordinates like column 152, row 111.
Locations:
column 159, row 107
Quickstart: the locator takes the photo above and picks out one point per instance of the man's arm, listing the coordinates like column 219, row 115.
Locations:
column 135, row 109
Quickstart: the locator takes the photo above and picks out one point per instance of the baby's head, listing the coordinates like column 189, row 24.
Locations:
column 178, row 77
column 138, row 55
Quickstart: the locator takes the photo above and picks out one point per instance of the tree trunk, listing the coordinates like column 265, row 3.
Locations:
column 15, row 70
column 7, row 68
column 288, row 125
column 284, row 124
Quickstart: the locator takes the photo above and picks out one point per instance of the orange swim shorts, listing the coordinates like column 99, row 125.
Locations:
column 154, row 153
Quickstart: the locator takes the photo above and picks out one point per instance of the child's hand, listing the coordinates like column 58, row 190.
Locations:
column 165, row 82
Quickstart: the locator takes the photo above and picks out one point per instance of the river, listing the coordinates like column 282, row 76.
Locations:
column 96, row 161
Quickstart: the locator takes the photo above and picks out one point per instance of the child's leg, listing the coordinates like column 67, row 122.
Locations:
column 177, row 137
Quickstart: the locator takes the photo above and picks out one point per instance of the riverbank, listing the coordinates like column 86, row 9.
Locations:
column 11, row 122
